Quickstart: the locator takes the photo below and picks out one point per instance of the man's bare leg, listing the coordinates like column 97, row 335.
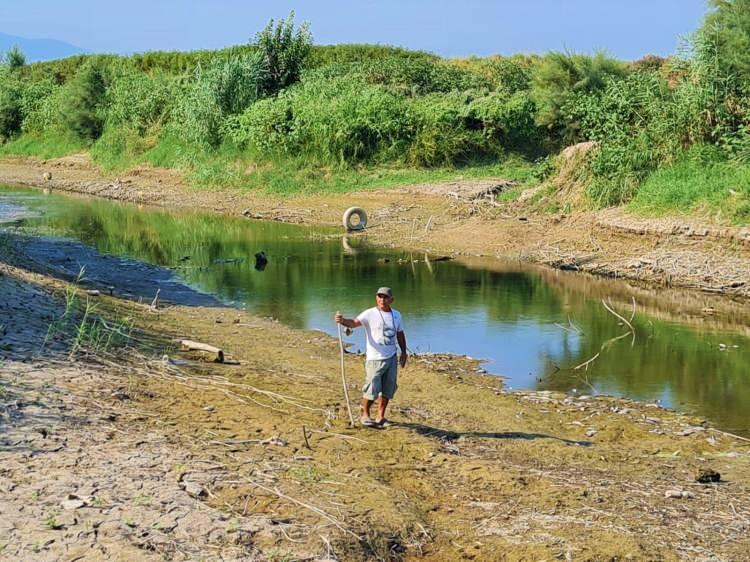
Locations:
column 382, row 405
column 364, row 408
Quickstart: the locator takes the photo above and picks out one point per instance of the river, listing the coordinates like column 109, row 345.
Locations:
column 531, row 326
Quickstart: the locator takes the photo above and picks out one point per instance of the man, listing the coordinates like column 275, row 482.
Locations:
column 383, row 328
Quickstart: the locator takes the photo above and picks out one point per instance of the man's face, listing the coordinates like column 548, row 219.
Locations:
column 383, row 301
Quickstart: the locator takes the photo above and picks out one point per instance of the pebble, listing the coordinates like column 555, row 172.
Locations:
column 72, row 504
column 680, row 494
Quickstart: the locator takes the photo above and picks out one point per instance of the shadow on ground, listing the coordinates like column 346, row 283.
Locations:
column 448, row 435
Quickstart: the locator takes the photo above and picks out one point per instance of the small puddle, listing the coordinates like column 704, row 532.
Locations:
column 531, row 325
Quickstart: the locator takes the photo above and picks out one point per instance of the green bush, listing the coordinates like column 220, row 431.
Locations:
column 283, row 51
column 338, row 121
column 409, row 77
column 13, row 58
column 140, row 101
column 224, row 89
column 266, row 126
column 508, row 120
column 442, row 137
column 42, row 107
column 559, row 77
column 82, row 104
column 11, row 107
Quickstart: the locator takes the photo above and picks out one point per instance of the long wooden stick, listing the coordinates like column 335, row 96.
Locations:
column 343, row 379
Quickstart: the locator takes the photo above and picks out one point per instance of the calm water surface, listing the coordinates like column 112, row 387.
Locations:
column 530, row 325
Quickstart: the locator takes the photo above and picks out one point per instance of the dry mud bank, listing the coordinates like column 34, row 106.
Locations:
column 442, row 218
column 153, row 454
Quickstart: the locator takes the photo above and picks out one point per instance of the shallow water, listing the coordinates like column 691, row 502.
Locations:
column 531, row 325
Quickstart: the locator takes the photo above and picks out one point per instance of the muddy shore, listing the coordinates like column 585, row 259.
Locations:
column 677, row 252
column 144, row 452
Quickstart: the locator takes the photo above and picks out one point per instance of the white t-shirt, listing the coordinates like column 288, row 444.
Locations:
column 380, row 331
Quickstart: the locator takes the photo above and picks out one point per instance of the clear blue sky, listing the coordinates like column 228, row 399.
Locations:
column 625, row 28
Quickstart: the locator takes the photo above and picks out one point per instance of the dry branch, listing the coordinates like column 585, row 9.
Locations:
column 189, row 345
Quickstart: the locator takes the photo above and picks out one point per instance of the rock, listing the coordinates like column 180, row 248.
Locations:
column 679, row 494
column 194, row 490
column 275, row 440
column 72, row 504
column 707, row 476
column 690, row 430
column 47, row 176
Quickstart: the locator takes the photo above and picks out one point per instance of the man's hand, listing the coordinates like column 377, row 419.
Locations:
column 338, row 317
column 402, row 359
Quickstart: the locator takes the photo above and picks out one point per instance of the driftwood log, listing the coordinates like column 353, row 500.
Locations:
column 189, row 345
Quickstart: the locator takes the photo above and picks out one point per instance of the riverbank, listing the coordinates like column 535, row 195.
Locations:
column 441, row 218
column 145, row 452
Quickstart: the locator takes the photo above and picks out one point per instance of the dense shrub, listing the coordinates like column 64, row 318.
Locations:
column 559, row 77
column 337, row 121
column 13, row 58
column 11, row 107
column 82, row 104
column 727, row 25
column 405, row 77
column 282, row 51
column 507, row 75
column 140, row 101
column 224, row 89
column 443, row 137
column 266, row 126
column 509, row 120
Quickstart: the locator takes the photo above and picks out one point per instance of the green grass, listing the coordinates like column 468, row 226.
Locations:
column 47, row 145
column 719, row 190
column 230, row 167
column 118, row 149
column 289, row 178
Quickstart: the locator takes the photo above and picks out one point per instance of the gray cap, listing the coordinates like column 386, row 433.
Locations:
column 385, row 291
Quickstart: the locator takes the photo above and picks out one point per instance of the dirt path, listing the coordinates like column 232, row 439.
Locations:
column 436, row 218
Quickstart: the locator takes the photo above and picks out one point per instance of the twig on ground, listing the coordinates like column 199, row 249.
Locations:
column 338, row 524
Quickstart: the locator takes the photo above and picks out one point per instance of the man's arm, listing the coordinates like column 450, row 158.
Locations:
column 348, row 322
column 401, row 337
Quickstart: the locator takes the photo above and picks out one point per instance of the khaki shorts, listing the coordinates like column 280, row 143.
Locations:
column 381, row 377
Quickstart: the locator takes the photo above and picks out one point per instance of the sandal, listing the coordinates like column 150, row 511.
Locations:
column 368, row 422
column 384, row 423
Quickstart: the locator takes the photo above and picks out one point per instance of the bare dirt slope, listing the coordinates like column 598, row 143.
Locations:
column 445, row 218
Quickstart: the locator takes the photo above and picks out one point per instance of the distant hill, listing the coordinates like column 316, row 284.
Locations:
column 39, row 49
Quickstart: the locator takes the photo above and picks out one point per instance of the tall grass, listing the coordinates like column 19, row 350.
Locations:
column 53, row 144
column 83, row 328
column 720, row 190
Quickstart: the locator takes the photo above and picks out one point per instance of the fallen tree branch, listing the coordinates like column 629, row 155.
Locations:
column 189, row 345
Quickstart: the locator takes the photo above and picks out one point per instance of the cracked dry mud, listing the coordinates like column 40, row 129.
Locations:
column 77, row 481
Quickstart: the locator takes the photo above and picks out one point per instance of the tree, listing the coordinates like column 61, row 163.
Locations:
column 14, row 58
column 81, row 107
column 561, row 76
column 11, row 112
column 284, row 52
column 727, row 26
